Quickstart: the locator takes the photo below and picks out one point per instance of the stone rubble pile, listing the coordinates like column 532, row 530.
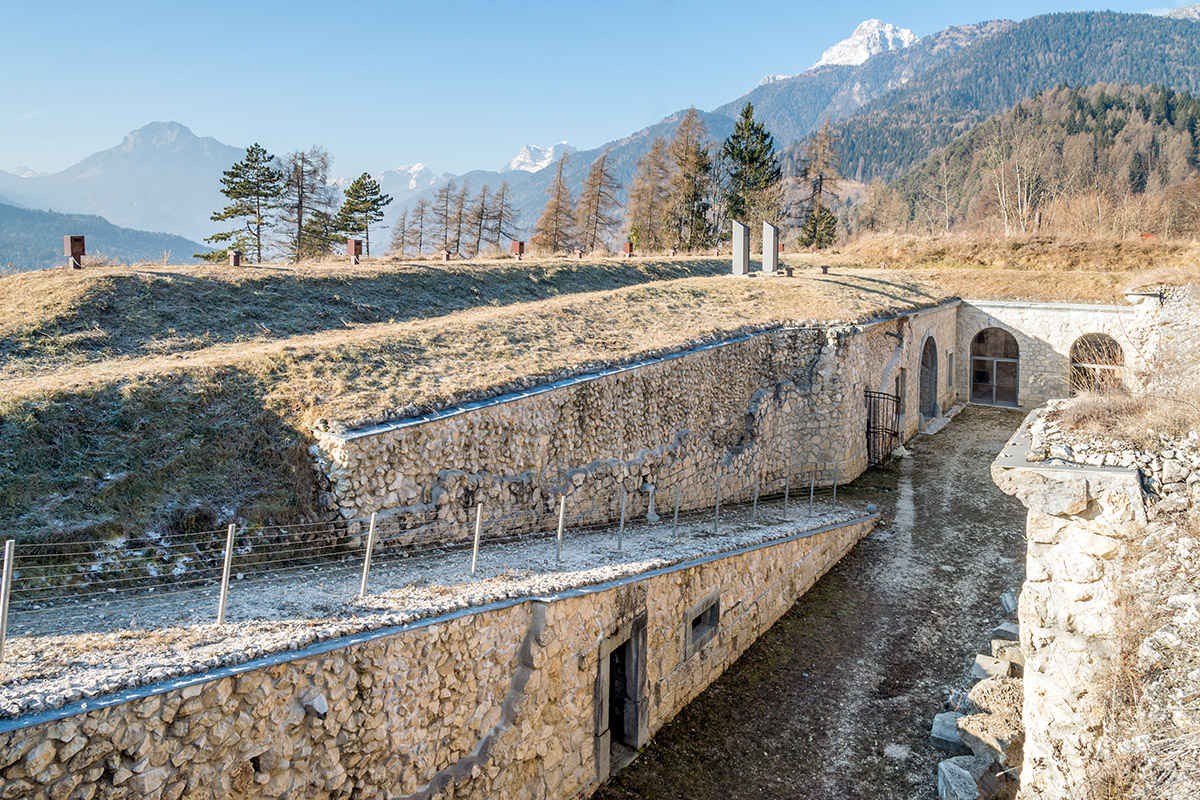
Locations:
column 982, row 728
column 1170, row 473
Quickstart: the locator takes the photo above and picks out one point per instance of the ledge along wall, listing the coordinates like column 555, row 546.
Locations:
column 1078, row 520
column 508, row 700
column 782, row 402
column 1045, row 333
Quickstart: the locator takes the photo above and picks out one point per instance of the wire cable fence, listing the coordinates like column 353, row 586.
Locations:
column 125, row 578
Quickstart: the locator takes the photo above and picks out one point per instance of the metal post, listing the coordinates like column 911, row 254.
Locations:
column 835, row 479
column 562, row 518
column 5, row 593
column 787, row 488
column 478, row 531
column 225, row 575
column 717, row 508
column 621, row 530
column 675, row 519
column 754, row 508
column 812, row 490
column 362, row 589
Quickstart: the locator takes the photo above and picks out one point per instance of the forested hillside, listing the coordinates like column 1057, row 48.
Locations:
column 31, row 239
column 1107, row 159
column 901, row 128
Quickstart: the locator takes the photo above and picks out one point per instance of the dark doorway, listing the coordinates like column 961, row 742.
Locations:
column 621, row 726
column 929, row 381
column 622, row 703
column 994, row 368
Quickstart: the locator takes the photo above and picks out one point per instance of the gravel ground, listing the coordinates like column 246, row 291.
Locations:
column 836, row 700
column 61, row 655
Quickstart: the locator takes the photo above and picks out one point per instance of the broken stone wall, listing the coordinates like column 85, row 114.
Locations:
column 1078, row 520
column 495, row 702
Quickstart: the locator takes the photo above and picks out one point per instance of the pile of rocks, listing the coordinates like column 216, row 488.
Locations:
column 1170, row 472
column 982, row 728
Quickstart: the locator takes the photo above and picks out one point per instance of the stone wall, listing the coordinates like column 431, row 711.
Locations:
column 782, row 403
column 500, row 701
column 1079, row 518
column 1045, row 333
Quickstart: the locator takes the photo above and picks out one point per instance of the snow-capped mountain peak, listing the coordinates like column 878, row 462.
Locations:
column 870, row 37
column 533, row 158
column 1186, row 12
column 419, row 176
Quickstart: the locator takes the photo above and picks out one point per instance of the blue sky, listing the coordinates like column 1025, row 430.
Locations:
column 456, row 85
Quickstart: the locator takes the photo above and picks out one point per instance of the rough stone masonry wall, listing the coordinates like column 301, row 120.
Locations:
column 497, row 702
column 1078, row 521
column 1045, row 333
column 784, row 402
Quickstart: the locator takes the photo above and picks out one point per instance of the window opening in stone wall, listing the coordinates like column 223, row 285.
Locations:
column 950, row 370
column 700, row 623
column 1097, row 364
column 994, row 368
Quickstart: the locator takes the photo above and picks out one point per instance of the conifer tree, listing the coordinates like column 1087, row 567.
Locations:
column 689, row 185
column 418, row 224
column 819, row 170
column 441, row 215
column 754, row 180
column 477, row 219
column 362, row 208
column 555, row 229
column 400, row 234
column 597, row 204
column 502, row 216
column 649, row 198
column 306, row 191
column 253, row 186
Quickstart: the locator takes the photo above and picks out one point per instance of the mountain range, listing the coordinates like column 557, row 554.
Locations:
column 893, row 96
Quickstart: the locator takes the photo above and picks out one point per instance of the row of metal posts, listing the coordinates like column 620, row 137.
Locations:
column 227, row 563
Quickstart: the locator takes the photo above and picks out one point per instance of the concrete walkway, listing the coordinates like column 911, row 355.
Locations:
column 835, row 701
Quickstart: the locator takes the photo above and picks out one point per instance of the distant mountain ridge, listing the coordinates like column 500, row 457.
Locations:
column 32, row 239
column 871, row 37
column 160, row 177
column 533, row 158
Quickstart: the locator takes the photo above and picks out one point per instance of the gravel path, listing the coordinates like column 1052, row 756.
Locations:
column 61, row 655
column 836, row 700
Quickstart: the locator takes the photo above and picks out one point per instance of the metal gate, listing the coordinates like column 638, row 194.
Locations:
column 883, row 428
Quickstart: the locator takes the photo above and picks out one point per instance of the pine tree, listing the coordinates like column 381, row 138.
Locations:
column 597, row 202
column 649, row 198
column 417, row 227
column 690, row 182
column 820, row 228
column 400, row 234
column 441, row 221
column 501, row 216
column 755, row 176
column 477, row 219
column 362, row 208
column 555, row 229
column 253, row 186
column 306, row 190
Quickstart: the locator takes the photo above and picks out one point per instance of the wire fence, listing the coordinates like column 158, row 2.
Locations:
column 56, row 581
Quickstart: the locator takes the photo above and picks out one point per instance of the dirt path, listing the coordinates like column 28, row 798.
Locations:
column 835, row 701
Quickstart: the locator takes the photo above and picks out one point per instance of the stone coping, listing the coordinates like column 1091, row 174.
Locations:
column 1108, row 308
column 329, row 645
column 508, row 397
column 1013, row 454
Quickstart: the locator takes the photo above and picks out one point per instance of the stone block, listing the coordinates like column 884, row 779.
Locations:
column 1007, row 630
column 770, row 249
column 986, row 666
column 958, row 778
column 741, row 248
column 1010, row 652
column 944, row 733
column 995, row 737
column 1008, row 601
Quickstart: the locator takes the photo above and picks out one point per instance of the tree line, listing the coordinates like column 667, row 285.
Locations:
column 287, row 206
column 684, row 193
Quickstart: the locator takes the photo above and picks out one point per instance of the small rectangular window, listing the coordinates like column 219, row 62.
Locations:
column 700, row 623
column 950, row 366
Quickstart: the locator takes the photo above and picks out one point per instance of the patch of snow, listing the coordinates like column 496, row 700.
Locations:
column 872, row 36
column 533, row 158
column 1191, row 12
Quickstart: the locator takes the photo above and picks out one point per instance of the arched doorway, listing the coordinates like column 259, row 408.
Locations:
column 1097, row 362
column 994, row 359
column 929, row 380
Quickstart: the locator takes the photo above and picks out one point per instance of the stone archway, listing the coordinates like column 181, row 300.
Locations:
column 1097, row 364
column 929, row 406
column 995, row 359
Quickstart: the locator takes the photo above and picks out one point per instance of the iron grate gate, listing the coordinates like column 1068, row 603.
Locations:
column 883, row 428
